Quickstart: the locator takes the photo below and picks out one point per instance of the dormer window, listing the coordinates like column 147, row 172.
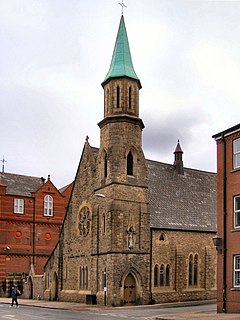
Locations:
column 48, row 206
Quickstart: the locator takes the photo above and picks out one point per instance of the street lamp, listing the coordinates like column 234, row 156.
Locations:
column 217, row 241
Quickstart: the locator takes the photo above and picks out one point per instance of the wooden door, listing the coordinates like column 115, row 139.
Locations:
column 130, row 291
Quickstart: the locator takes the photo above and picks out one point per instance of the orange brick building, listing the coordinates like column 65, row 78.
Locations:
column 228, row 208
column 31, row 216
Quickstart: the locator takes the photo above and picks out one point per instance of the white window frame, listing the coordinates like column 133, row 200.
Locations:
column 48, row 206
column 236, row 212
column 19, row 206
column 236, row 271
column 236, row 153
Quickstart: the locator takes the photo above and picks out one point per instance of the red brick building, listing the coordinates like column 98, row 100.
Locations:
column 228, row 206
column 31, row 216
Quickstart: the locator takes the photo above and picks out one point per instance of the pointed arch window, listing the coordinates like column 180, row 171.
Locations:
column 162, row 237
column 48, row 206
column 104, row 223
column 156, row 275
column 130, row 98
column 130, row 164
column 190, row 270
column 195, row 268
column 161, row 276
column 86, row 277
column 105, row 167
column 167, row 282
column 118, row 97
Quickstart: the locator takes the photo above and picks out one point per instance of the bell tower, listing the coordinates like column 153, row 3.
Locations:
column 121, row 180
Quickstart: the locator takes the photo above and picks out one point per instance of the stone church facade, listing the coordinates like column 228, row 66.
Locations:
column 136, row 231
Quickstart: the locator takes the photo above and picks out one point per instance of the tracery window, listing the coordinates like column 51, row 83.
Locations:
column 83, row 275
column 84, row 221
column 193, row 270
column 161, row 276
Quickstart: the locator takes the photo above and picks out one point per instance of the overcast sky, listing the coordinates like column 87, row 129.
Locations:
column 54, row 54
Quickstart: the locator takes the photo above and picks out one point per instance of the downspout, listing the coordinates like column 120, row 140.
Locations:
column 224, row 308
column 150, row 280
column 33, row 235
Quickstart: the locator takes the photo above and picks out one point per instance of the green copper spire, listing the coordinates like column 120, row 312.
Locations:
column 121, row 64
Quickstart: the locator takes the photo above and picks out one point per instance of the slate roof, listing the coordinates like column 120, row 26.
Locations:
column 181, row 202
column 20, row 185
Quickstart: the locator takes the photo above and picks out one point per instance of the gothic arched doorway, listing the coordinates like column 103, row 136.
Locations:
column 130, row 290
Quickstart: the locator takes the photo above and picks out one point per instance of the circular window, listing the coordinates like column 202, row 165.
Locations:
column 84, row 221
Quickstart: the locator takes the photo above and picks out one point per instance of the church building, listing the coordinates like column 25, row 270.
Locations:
column 136, row 231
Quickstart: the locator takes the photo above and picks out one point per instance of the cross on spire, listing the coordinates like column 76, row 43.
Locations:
column 3, row 161
column 122, row 5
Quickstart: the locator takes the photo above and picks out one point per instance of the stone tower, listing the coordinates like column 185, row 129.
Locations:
column 122, row 248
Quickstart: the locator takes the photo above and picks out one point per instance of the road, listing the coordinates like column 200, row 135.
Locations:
column 135, row 313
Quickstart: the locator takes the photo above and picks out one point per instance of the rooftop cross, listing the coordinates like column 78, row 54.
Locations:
column 3, row 160
column 122, row 5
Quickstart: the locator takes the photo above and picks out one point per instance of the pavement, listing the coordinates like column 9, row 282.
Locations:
column 75, row 306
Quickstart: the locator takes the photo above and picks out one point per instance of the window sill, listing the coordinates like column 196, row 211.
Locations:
column 189, row 289
column 235, row 289
column 236, row 229
column 235, row 170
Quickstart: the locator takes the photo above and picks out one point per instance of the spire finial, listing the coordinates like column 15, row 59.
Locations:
column 3, row 160
column 122, row 5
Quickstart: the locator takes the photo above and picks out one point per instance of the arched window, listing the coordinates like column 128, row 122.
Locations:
column 162, row 237
column 81, row 279
column 105, row 167
column 103, row 223
column 86, row 277
column 190, row 270
column 130, row 98
column 167, row 283
column 161, row 276
column 48, row 206
column 195, row 273
column 118, row 97
column 130, row 164
column 156, row 275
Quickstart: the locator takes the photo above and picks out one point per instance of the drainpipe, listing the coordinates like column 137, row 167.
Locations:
column 150, row 280
column 224, row 308
column 33, row 231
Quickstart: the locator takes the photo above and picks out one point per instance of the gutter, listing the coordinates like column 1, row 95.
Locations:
column 224, row 307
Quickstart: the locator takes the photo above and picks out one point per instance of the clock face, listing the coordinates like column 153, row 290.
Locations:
column 84, row 221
